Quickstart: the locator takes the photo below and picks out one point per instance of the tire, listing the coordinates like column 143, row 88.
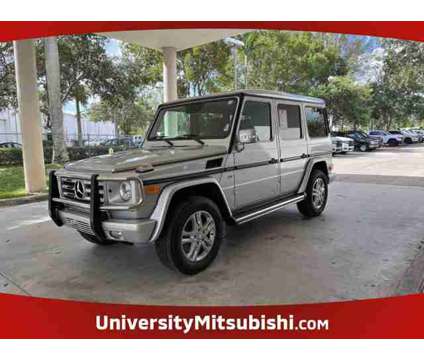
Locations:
column 363, row 147
column 393, row 142
column 180, row 254
column 93, row 239
column 308, row 207
column 408, row 141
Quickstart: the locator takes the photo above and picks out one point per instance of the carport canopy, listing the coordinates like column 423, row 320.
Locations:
column 167, row 41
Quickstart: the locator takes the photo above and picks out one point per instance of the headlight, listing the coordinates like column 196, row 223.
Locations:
column 125, row 191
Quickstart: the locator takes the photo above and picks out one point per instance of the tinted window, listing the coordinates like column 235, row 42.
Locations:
column 316, row 120
column 289, row 121
column 256, row 116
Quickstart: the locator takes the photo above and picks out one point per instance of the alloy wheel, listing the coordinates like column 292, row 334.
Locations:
column 198, row 236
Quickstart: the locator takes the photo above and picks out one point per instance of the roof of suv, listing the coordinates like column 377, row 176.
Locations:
column 258, row 93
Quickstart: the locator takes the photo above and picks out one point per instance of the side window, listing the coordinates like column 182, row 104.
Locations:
column 256, row 117
column 289, row 121
column 316, row 120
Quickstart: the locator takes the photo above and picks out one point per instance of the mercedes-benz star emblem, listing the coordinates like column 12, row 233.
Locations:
column 79, row 189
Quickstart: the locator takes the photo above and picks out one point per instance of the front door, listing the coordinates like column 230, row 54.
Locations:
column 293, row 146
column 257, row 171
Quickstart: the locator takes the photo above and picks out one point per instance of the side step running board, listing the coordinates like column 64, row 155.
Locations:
column 267, row 209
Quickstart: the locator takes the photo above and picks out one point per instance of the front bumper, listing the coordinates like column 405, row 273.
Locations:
column 93, row 221
column 134, row 231
column 346, row 147
column 331, row 177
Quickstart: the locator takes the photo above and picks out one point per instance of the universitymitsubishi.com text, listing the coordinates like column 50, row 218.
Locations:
column 213, row 322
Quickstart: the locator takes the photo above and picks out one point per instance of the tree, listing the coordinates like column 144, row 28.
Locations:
column 131, row 117
column 347, row 101
column 54, row 101
column 205, row 69
column 8, row 98
column 126, row 102
column 86, row 70
column 292, row 62
column 399, row 89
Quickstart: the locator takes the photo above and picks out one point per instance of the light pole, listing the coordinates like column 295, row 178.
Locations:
column 235, row 44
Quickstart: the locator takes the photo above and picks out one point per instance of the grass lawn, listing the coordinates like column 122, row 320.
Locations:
column 12, row 182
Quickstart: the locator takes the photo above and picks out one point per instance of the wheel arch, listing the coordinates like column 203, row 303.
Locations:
column 320, row 163
column 174, row 193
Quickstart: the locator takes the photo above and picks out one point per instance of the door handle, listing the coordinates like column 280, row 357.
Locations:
column 273, row 161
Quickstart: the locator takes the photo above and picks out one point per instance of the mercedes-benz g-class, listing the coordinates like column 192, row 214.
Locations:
column 206, row 163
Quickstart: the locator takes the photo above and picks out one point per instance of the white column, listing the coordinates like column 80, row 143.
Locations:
column 29, row 115
column 169, row 73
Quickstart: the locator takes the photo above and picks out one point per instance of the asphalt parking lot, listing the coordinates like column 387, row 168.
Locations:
column 368, row 243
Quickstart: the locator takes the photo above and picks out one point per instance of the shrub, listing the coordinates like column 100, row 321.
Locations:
column 10, row 156
column 14, row 156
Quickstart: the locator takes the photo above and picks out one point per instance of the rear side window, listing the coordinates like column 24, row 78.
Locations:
column 257, row 116
column 317, row 123
column 289, row 121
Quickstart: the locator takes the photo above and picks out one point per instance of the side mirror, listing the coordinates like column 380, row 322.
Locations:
column 247, row 136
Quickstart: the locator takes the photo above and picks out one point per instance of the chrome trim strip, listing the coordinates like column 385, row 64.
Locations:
column 268, row 210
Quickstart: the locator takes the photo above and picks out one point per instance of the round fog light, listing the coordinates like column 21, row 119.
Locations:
column 117, row 235
column 125, row 190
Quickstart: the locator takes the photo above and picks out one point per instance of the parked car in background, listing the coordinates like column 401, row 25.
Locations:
column 120, row 141
column 138, row 140
column 342, row 145
column 386, row 137
column 362, row 142
column 10, row 145
column 408, row 138
column 417, row 133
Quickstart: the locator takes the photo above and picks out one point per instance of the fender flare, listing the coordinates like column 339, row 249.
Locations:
column 165, row 198
column 308, row 170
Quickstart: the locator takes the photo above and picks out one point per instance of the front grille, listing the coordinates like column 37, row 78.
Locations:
column 79, row 225
column 79, row 189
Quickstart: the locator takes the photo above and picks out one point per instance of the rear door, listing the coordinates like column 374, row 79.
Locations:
column 293, row 146
column 257, row 169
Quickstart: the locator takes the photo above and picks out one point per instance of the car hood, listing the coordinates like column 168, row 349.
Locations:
column 145, row 158
column 341, row 138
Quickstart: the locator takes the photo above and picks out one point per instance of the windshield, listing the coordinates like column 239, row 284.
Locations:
column 198, row 120
column 362, row 134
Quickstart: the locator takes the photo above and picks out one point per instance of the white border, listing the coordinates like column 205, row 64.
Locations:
column 224, row 10
column 210, row 349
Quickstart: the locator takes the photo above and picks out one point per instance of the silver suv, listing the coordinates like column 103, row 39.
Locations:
column 206, row 163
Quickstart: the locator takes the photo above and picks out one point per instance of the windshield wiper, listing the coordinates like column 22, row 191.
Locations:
column 163, row 139
column 190, row 137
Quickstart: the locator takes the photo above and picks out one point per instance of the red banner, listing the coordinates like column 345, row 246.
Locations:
column 16, row 30
column 30, row 317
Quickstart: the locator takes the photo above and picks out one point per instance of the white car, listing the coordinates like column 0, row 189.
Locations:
column 419, row 133
column 342, row 145
column 386, row 137
column 414, row 137
column 408, row 138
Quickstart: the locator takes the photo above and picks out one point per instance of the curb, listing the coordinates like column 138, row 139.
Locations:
column 23, row 200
